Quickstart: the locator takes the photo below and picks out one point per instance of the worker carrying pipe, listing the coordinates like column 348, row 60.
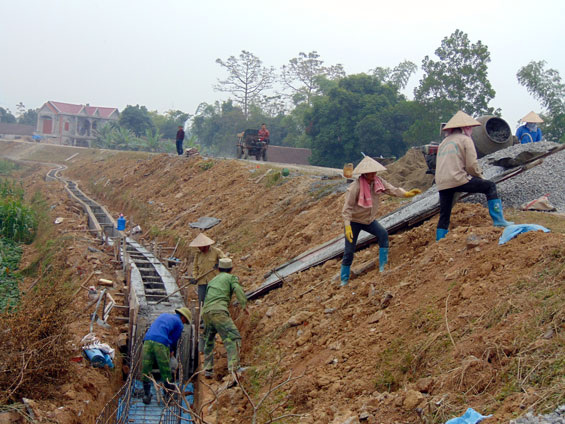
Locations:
column 457, row 170
column 360, row 209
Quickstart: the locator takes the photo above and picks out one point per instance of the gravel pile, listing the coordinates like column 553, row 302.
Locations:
column 556, row 417
column 547, row 178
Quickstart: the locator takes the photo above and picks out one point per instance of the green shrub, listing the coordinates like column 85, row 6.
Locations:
column 10, row 254
column 17, row 221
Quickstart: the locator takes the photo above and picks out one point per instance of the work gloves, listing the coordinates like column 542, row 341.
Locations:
column 192, row 280
column 349, row 233
column 412, row 192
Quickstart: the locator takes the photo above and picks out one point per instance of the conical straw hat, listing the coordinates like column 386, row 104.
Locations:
column 201, row 240
column 532, row 117
column 367, row 165
column 460, row 120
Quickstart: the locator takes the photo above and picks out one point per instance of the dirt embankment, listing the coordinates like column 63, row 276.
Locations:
column 450, row 325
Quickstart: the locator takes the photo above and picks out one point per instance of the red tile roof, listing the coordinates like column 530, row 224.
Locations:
column 72, row 109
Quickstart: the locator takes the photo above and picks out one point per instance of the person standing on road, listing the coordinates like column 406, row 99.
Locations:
column 180, row 139
column 159, row 345
column 360, row 209
column 205, row 265
column 529, row 132
column 217, row 318
column 458, row 171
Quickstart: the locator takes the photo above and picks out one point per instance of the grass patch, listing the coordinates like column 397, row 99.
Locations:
column 10, row 255
column 206, row 165
column 7, row 166
column 273, row 179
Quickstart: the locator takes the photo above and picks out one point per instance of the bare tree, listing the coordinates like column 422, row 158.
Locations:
column 302, row 73
column 247, row 78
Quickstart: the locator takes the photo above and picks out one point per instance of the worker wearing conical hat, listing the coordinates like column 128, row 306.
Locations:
column 205, row 263
column 360, row 209
column 457, row 170
column 529, row 132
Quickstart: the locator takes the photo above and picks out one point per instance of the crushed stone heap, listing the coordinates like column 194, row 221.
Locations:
column 546, row 178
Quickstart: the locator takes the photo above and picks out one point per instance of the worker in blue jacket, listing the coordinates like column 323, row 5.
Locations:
column 159, row 345
column 529, row 132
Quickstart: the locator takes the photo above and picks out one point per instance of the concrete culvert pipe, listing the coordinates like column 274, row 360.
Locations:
column 493, row 134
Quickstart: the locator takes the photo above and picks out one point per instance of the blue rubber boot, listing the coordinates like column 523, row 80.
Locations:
column 383, row 258
column 495, row 211
column 440, row 233
column 345, row 274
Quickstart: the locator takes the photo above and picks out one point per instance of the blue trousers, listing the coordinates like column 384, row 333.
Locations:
column 179, row 147
column 373, row 228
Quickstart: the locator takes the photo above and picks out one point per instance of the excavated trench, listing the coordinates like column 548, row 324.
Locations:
column 151, row 291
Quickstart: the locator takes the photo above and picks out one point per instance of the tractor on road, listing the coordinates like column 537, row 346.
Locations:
column 250, row 144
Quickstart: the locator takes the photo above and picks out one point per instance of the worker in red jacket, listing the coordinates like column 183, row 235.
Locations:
column 264, row 134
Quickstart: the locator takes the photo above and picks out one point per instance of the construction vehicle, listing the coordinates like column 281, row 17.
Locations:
column 492, row 135
column 249, row 144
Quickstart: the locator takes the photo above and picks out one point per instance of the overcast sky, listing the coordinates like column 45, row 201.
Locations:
column 162, row 53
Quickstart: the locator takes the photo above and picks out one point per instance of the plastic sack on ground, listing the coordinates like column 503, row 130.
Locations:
column 540, row 204
column 469, row 417
column 513, row 230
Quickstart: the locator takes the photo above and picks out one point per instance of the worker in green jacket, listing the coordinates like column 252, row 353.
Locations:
column 217, row 318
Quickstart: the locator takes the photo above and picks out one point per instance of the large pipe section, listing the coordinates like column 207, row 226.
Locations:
column 493, row 134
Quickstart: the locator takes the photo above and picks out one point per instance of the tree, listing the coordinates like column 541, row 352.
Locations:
column 398, row 76
column 168, row 123
column 546, row 87
column 6, row 116
column 29, row 117
column 357, row 116
column 136, row 119
column 302, row 72
column 247, row 78
column 458, row 80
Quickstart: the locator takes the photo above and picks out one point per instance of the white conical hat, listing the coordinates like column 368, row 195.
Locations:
column 367, row 165
column 225, row 263
column 460, row 120
column 532, row 117
column 201, row 240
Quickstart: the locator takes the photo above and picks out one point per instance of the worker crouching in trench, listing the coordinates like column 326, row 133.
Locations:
column 360, row 209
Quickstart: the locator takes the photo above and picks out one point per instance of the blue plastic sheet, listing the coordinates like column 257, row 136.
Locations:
column 469, row 417
column 513, row 230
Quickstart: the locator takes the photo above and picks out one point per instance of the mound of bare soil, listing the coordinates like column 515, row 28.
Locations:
column 460, row 323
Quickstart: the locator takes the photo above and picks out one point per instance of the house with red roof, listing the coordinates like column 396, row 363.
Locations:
column 72, row 124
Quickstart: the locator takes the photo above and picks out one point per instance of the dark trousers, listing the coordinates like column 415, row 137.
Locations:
column 179, row 147
column 202, row 293
column 475, row 185
column 373, row 228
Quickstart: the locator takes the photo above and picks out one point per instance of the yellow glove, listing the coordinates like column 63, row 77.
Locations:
column 349, row 233
column 412, row 192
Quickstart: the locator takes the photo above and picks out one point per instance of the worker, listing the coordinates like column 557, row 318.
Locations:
column 205, row 263
column 264, row 134
column 360, row 209
column 529, row 132
column 180, row 139
column 159, row 345
column 217, row 317
column 458, row 171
